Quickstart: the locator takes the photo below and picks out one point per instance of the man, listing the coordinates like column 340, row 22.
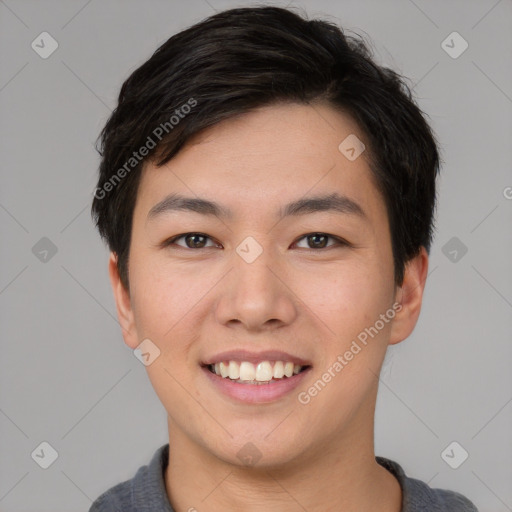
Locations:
column 267, row 193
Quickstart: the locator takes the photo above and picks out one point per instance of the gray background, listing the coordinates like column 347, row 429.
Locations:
column 66, row 376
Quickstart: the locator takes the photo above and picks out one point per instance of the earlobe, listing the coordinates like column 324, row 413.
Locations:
column 123, row 304
column 410, row 295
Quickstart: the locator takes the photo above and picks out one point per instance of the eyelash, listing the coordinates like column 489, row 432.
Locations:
column 340, row 241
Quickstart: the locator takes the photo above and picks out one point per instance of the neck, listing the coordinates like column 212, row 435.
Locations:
column 339, row 474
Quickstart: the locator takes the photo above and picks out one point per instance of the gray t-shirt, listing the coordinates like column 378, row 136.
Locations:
column 145, row 492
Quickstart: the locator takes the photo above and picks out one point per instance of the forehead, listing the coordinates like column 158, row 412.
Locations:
column 266, row 158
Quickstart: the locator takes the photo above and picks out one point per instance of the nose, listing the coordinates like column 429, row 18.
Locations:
column 256, row 296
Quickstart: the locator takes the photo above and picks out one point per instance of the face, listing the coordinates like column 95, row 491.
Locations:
column 289, row 267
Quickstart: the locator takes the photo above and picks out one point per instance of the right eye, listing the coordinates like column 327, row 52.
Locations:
column 192, row 241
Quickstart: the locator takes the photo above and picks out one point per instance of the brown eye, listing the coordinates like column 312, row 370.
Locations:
column 192, row 241
column 320, row 241
column 317, row 240
column 195, row 241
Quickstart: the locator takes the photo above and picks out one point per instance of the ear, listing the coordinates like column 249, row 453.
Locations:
column 410, row 296
column 123, row 304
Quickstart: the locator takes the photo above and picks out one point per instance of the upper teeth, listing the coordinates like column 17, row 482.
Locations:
column 262, row 372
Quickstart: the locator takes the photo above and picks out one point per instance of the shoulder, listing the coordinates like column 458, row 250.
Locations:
column 417, row 496
column 144, row 489
column 117, row 498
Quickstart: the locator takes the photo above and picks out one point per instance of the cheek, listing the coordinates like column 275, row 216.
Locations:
column 170, row 305
column 346, row 299
column 163, row 304
column 163, row 297
column 351, row 357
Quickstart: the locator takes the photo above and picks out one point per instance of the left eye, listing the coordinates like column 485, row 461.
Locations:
column 319, row 240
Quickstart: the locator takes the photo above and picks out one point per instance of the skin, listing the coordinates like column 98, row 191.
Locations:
column 308, row 301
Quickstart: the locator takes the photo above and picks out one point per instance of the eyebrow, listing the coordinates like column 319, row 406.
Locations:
column 334, row 202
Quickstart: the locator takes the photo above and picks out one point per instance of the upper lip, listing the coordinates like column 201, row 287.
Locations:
column 255, row 357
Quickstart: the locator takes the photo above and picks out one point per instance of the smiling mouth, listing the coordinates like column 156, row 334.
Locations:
column 265, row 372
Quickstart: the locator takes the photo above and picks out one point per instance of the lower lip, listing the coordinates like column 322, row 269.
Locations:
column 256, row 393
